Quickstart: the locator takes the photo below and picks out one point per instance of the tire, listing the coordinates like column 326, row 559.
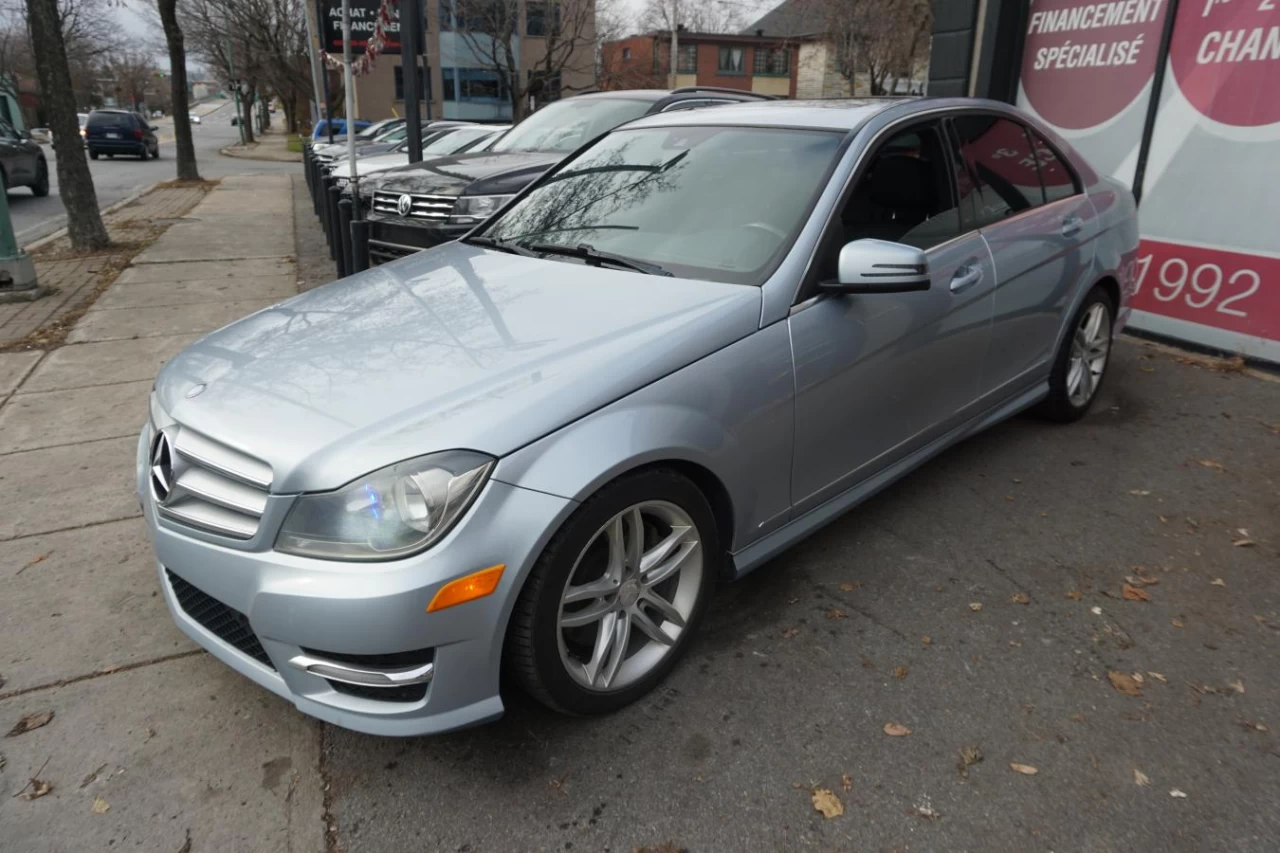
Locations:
column 40, row 188
column 552, row 662
column 4, row 182
column 1066, row 402
column 93, row 155
column 155, row 152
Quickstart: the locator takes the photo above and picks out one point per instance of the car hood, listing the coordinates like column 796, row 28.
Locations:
column 473, row 174
column 454, row 348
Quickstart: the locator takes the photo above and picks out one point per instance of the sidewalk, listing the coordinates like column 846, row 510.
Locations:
column 272, row 146
column 153, row 745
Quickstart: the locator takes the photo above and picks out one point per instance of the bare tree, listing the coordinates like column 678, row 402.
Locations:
column 75, row 184
column 698, row 16
column 490, row 29
column 176, row 43
column 885, row 39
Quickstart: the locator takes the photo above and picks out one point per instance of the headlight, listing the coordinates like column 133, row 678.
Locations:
column 469, row 209
column 394, row 512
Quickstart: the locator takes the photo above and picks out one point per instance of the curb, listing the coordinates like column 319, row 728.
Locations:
column 111, row 208
column 226, row 152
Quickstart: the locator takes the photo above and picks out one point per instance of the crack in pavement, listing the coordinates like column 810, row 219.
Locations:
column 76, row 679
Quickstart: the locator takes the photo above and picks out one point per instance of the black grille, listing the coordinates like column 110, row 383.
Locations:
column 408, row 693
column 226, row 623
column 382, row 253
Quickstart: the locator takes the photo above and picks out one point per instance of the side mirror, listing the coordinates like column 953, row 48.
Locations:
column 879, row 266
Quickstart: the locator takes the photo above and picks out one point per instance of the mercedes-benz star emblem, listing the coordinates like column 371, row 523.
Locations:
column 161, row 468
column 404, row 204
column 196, row 390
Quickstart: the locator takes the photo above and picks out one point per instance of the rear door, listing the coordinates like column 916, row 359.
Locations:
column 880, row 375
column 1039, row 225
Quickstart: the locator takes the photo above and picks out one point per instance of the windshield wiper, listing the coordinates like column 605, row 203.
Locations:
column 591, row 255
column 500, row 245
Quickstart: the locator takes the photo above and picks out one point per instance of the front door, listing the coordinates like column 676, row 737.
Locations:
column 879, row 375
column 1038, row 224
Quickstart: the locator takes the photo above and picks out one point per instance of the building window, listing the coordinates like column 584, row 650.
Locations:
column 447, row 76
column 731, row 60
column 472, row 84
column 626, row 54
column 480, row 16
column 687, row 59
column 424, row 82
column 541, row 18
column 772, row 60
column 544, row 88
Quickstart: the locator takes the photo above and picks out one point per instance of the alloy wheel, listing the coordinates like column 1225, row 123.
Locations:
column 630, row 595
column 1090, row 347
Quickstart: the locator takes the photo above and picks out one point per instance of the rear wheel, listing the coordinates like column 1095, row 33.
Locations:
column 616, row 595
column 1081, row 363
column 41, row 187
column 93, row 155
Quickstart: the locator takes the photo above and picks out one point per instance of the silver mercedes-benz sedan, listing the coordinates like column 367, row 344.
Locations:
column 538, row 449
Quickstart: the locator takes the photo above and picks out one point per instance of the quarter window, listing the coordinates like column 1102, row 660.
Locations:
column 1056, row 176
column 999, row 178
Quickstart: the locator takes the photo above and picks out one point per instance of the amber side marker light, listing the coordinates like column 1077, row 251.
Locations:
column 473, row 586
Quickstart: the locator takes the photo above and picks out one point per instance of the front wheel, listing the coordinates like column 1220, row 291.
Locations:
column 616, row 596
column 40, row 188
column 1081, row 363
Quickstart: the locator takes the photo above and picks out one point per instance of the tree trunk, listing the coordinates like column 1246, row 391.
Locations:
column 75, row 184
column 291, row 114
column 246, row 114
column 178, row 91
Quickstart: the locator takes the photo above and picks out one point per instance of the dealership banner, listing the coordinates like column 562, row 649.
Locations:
column 1208, row 270
column 364, row 20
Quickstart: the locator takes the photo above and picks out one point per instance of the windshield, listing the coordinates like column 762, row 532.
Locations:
column 449, row 142
column 374, row 129
column 717, row 203
column 567, row 125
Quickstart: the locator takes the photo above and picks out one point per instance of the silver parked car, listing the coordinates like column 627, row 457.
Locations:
column 539, row 448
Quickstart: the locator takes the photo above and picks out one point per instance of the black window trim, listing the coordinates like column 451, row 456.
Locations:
column 1077, row 184
column 807, row 292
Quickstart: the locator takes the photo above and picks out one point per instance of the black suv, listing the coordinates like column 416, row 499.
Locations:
column 421, row 205
column 114, row 132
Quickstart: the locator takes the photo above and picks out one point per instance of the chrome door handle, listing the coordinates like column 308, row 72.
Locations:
column 964, row 278
column 1071, row 225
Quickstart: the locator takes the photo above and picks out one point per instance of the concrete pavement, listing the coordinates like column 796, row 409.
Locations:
column 980, row 604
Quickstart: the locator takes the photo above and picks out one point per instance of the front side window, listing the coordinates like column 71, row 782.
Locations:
column 731, row 60
column 904, row 194
column 567, row 125
column 716, row 203
column 1000, row 178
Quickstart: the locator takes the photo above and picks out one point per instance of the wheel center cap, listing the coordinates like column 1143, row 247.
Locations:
column 629, row 593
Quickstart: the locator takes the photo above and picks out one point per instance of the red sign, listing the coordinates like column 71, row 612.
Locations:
column 1083, row 63
column 1226, row 57
column 1214, row 287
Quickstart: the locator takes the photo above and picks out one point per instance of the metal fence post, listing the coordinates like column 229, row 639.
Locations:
column 359, row 245
column 344, row 237
column 331, row 210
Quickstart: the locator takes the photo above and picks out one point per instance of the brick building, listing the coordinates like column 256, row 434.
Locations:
column 759, row 64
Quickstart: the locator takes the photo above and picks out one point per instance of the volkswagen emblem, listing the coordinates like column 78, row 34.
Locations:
column 404, row 204
column 196, row 390
column 161, row 468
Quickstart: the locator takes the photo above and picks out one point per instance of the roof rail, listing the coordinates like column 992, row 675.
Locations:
column 687, row 89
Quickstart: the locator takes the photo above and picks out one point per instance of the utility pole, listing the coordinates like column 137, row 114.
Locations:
column 313, row 51
column 231, row 68
column 675, row 40
column 410, row 50
column 349, row 86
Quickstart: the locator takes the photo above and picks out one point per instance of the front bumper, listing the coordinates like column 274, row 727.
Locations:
column 335, row 612
column 390, row 239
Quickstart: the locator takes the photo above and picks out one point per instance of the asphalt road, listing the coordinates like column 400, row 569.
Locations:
column 119, row 178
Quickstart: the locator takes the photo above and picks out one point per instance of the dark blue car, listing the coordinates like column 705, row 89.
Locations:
column 113, row 132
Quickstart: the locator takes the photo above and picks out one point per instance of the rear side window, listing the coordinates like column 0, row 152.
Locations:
column 110, row 120
column 999, row 178
column 1057, row 177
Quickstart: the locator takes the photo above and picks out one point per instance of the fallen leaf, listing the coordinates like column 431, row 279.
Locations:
column 1133, row 593
column 1020, row 598
column 1124, row 683
column 1163, row 519
column 836, row 613
column 1140, row 778
column 1008, row 497
column 1243, row 541
column 899, row 672
column 847, row 587
column 92, row 777
column 1076, row 716
column 1250, row 724
column 30, row 722
column 968, row 755
column 1210, row 463
column 1158, row 676
column 896, row 730
column 38, row 787
column 1177, row 623
column 100, row 806
column 1146, row 368
column 1218, row 582
column 1095, row 610
column 1178, row 794
column 927, row 812
column 1024, row 769
column 1237, row 685
column 975, row 606
column 788, row 633
column 827, row 803
column 846, row 782
column 1140, row 492
column 1075, row 594
column 1139, row 578
column 926, row 639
